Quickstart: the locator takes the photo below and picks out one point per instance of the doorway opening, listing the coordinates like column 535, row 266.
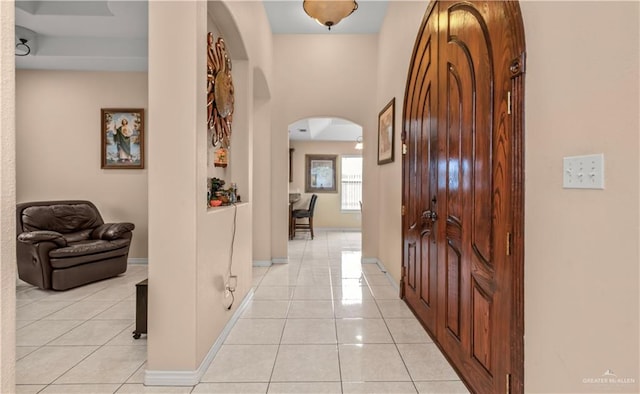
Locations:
column 325, row 161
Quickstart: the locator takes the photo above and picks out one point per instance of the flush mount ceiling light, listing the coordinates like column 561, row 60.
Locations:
column 22, row 49
column 26, row 41
column 329, row 12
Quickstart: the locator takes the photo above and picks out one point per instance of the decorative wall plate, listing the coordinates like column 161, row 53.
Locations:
column 219, row 91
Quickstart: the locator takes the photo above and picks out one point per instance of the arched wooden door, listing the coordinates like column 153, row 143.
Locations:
column 463, row 188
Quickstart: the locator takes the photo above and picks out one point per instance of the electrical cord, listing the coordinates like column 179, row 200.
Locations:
column 233, row 240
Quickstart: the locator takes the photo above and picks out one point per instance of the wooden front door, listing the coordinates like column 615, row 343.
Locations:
column 462, row 227
column 419, row 180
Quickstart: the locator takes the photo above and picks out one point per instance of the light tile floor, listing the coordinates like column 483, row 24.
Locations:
column 323, row 323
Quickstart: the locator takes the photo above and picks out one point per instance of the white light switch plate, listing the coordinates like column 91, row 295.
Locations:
column 583, row 172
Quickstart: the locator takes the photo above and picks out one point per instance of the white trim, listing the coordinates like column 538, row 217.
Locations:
column 338, row 229
column 386, row 273
column 262, row 263
column 191, row 378
column 369, row 260
column 171, row 378
column 137, row 260
column 284, row 260
column 373, row 260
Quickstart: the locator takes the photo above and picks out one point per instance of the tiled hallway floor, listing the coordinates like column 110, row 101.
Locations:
column 324, row 323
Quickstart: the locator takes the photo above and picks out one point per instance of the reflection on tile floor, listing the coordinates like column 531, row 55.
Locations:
column 323, row 323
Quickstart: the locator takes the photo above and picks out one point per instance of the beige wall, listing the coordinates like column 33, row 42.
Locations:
column 321, row 75
column 327, row 212
column 581, row 261
column 192, row 256
column 251, row 21
column 261, row 196
column 396, row 41
column 174, row 185
column 58, row 143
column 7, row 200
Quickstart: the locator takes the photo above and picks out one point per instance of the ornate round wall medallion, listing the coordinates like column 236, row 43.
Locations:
column 219, row 91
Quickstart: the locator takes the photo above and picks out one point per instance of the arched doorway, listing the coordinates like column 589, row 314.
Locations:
column 338, row 143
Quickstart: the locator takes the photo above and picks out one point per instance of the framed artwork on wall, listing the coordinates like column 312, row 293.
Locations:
column 320, row 174
column 386, row 133
column 122, row 139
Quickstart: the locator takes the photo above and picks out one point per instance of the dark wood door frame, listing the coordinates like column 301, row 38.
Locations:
column 510, row 42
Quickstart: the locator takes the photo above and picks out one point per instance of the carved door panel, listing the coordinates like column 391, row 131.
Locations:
column 470, row 180
column 420, row 134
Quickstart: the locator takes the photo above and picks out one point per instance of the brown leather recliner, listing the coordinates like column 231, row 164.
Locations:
column 64, row 244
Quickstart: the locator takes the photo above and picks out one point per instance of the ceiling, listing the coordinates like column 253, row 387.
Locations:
column 288, row 17
column 97, row 35
column 83, row 35
column 324, row 129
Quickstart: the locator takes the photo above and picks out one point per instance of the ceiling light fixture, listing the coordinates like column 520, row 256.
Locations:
column 22, row 49
column 359, row 145
column 329, row 12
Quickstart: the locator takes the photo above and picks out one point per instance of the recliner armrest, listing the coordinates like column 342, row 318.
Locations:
column 33, row 237
column 111, row 231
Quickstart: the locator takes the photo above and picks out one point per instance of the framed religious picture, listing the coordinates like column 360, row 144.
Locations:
column 320, row 174
column 122, row 138
column 386, row 132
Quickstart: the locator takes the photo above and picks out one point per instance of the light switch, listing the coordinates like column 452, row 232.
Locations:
column 583, row 172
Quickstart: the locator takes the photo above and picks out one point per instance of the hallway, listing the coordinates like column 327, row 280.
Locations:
column 324, row 323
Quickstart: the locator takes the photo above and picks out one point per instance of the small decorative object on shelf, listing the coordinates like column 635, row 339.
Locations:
column 221, row 157
column 215, row 186
column 218, row 196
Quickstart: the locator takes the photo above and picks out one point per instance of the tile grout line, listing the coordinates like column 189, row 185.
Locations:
column 335, row 324
column 275, row 359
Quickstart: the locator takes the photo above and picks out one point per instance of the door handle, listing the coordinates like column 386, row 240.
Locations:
column 429, row 215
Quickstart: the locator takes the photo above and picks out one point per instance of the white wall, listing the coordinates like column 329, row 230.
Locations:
column 328, row 212
column 581, row 246
column 321, row 75
column 58, row 143
column 396, row 41
column 7, row 199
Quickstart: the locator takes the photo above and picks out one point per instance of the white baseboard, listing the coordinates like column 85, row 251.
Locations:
column 137, row 260
column 262, row 263
column 373, row 260
column 386, row 273
column 338, row 229
column 284, row 260
column 191, row 378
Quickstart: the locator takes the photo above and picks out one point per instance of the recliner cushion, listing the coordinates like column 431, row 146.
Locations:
column 92, row 258
column 87, row 251
column 91, row 246
column 110, row 231
column 63, row 218
column 77, row 236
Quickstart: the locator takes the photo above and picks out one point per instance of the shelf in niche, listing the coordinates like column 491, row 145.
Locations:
column 225, row 207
